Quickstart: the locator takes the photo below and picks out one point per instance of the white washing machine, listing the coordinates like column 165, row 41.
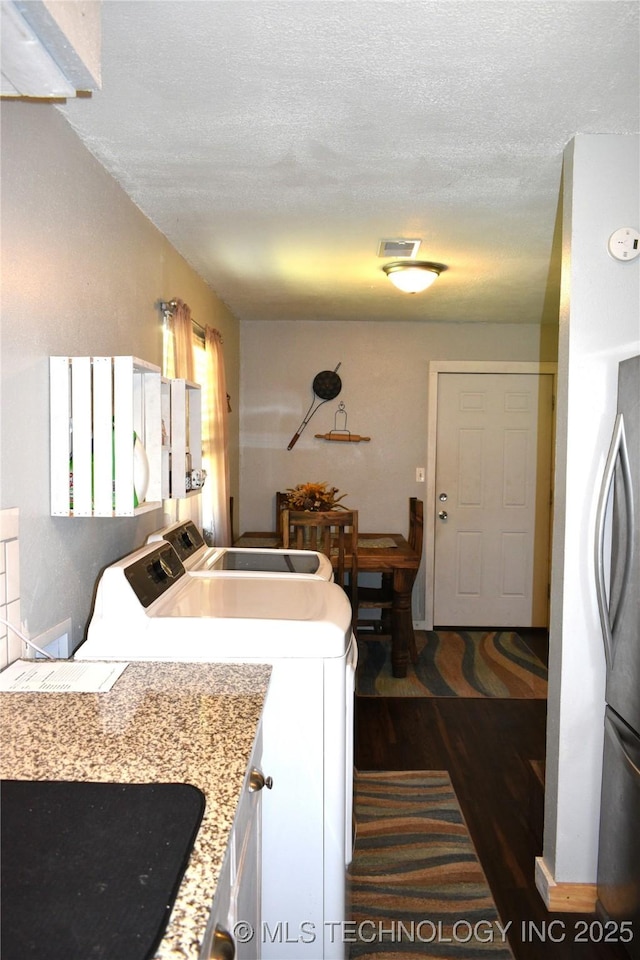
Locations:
column 201, row 560
column 148, row 608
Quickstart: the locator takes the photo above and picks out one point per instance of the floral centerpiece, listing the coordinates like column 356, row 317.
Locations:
column 316, row 497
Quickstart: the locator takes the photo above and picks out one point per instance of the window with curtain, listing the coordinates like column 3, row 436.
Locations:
column 199, row 358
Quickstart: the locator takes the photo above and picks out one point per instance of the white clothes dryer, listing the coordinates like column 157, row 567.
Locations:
column 148, row 608
column 201, row 560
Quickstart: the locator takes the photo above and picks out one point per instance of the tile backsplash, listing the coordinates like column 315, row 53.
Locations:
column 10, row 643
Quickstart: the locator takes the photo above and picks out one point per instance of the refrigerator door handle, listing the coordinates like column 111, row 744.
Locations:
column 617, row 449
column 623, row 742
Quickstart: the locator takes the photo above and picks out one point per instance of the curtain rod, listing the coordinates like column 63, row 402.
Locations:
column 168, row 307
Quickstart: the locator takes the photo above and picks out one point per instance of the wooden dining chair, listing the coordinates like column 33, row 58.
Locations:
column 334, row 533
column 381, row 597
column 281, row 503
column 416, row 525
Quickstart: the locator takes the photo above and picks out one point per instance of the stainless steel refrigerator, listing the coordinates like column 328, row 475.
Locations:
column 618, row 590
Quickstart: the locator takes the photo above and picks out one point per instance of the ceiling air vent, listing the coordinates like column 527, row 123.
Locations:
column 399, row 248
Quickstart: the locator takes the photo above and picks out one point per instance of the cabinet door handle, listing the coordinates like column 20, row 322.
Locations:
column 257, row 781
column 223, row 947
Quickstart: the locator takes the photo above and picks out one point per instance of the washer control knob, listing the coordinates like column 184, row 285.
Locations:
column 161, row 570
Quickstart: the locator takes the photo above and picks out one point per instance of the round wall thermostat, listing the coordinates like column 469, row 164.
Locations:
column 624, row 244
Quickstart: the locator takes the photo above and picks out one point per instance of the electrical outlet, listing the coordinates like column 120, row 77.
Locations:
column 57, row 641
column 419, row 474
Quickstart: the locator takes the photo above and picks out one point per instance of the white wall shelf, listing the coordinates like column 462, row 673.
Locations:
column 165, row 434
column 99, row 407
column 186, row 437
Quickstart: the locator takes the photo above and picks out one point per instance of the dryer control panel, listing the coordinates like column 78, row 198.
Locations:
column 154, row 573
column 185, row 538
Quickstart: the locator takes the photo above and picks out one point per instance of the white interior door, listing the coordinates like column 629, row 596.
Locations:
column 492, row 499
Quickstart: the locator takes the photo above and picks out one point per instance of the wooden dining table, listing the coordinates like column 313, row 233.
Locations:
column 377, row 553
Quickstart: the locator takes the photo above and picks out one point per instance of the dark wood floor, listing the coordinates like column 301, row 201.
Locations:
column 487, row 747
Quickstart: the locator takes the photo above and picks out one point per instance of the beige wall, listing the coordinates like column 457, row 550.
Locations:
column 82, row 273
column 384, row 388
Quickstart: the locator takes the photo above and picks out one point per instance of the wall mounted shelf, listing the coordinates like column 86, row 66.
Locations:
column 186, row 436
column 341, row 435
column 99, row 407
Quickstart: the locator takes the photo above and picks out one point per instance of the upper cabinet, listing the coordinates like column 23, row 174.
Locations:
column 114, row 424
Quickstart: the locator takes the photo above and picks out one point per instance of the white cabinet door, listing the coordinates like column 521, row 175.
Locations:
column 234, row 927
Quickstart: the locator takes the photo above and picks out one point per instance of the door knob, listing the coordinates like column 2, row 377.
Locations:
column 443, row 514
column 443, row 497
column 257, row 781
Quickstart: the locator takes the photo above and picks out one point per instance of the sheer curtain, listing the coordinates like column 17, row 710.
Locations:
column 185, row 359
column 179, row 361
column 215, row 493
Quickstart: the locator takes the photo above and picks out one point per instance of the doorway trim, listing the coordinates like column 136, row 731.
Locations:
column 435, row 368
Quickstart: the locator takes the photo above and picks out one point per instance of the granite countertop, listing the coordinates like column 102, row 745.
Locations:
column 161, row 722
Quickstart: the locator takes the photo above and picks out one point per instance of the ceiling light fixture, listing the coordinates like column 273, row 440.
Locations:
column 413, row 276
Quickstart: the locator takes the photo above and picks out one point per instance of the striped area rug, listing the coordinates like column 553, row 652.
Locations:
column 455, row 664
column 416, row 887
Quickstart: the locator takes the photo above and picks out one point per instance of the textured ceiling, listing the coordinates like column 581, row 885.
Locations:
column 276, row 143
